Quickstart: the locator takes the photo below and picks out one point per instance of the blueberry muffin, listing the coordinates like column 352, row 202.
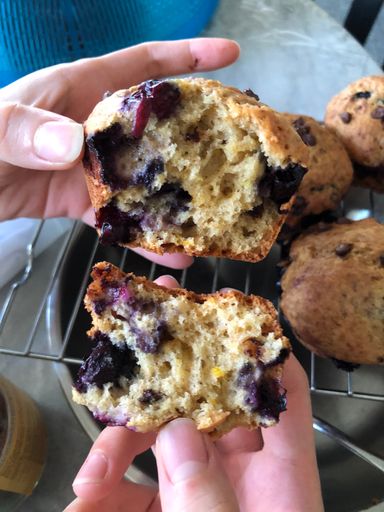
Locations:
column 333, row 291
column 166, row 353
column 357, row 115
column 329, row 173
column 193, row 166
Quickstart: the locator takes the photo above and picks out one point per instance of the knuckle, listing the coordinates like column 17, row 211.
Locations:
column 8, row 113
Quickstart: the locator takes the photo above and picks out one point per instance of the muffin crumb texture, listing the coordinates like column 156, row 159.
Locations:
column 165, row 353
column 191, row 165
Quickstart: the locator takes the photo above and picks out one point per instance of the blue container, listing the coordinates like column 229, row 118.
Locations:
column 39, row 33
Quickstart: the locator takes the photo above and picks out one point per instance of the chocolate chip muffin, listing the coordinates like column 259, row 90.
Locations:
column 193, row 166
column 357, row 115
column 329, row 173
column 166, row 353
column 333, row 291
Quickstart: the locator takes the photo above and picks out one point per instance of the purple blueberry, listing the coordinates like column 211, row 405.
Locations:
column 105, row 146
column 159, row 97
column 147, row 175
column 117, row 226
column 280, row 184
column 150, row 396
column 150, row 341
column 106, row 363
column 263, row 395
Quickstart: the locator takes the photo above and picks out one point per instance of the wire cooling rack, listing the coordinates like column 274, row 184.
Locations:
column 24, row 344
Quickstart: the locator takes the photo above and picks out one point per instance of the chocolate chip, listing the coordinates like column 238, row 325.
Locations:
column 304, row 131
column 299, row 205
column 250, row 93
column 378, row 113
column 346, row 117
column 343, row 249
column 361, row 94
column 381, row 260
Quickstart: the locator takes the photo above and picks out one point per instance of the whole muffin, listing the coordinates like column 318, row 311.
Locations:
column 190, row 165
column 330, row 170
column 333, row 291
column 357, row 115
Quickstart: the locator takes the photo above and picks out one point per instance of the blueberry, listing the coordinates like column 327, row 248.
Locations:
column 280, row 184
column 149, row 341
column 150, row 396
column 105, row 145
column 106, row 363
column 159, row 97
column 264, row 395
column 117, row 226
column 147, row 176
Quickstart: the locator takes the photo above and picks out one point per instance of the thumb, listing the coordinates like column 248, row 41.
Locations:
column 37, row 139
column 190, row 474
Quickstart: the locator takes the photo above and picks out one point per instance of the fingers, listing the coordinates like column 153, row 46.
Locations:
column 108, row 460
column 294, row 431
column 161, row 59
column 75, row 88
column 174, row 260
column 291, row 442
column 126, row 496
column 36, row 139
column 190, row 473
column 167, row 281
column 240, row 440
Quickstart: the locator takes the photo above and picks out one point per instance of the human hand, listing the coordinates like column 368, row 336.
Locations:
column 41, row 140
column 253, row 471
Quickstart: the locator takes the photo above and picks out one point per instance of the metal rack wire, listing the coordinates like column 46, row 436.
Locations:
column 26, row 346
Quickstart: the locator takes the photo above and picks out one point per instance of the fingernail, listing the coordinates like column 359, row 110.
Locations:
column 59, row 141
column 93, row 470
column 183, row 450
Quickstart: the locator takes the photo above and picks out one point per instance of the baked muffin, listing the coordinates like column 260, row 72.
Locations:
column 330, row 171
column 193, row 166
column 357, row 115
column 333, row 291
column 166, row 353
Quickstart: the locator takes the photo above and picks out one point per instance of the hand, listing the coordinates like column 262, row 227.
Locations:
column 41, row 140
column 252, row 471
